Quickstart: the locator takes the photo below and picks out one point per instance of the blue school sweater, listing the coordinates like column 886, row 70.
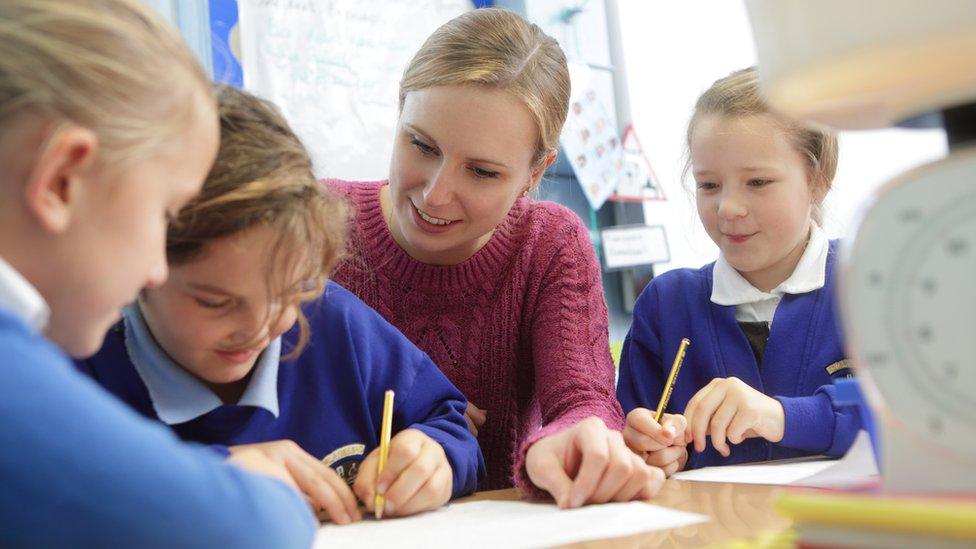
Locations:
column 329, row 399
column 804, row 342
column 79, row 469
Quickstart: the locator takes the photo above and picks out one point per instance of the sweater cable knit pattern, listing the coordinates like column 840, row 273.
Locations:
column 520, row 327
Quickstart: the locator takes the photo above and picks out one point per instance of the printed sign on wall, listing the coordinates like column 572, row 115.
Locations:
column 637, row 182
column 634, row 245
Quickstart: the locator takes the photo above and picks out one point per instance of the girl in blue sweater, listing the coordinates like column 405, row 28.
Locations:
column 756, row 383
column 95, row 154
column 247, row 347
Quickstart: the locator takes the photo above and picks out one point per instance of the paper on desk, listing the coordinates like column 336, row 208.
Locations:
column 505, row 524
column 857, row 467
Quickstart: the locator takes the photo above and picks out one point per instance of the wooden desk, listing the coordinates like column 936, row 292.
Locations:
column 736, row 512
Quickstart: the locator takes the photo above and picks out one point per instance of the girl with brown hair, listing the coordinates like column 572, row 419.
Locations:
column 247, row 347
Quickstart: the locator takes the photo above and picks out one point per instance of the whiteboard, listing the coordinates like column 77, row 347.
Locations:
column 334, row 67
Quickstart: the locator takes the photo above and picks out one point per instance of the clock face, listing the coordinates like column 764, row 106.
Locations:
column 909, row 298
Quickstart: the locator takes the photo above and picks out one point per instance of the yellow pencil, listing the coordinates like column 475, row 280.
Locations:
column 385, row 428
column 669, row 386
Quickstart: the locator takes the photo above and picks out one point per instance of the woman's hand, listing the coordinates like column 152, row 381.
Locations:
column 475, row 417
column 589, row 463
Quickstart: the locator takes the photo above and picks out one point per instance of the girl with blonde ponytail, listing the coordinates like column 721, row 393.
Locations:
column 757, row 380
column 248, row 347
column 107, row 127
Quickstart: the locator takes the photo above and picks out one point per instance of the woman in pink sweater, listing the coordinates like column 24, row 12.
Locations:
column 502, row 291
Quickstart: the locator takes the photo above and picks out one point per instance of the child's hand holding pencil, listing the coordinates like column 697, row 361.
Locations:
column 660, row 438
column 661, row 444
column 416, row 477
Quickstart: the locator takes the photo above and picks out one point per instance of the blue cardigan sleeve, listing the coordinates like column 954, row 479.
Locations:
column 433, row 405
column 816, row 424
column 425, row 399
column 641, row 376
column 80, row 469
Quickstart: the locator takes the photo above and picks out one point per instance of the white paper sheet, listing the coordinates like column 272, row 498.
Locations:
column 505, row 524
column 858, row 466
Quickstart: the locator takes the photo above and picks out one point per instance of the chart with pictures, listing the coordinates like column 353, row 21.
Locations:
column 590, row 140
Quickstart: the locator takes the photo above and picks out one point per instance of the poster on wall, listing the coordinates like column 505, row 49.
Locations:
column 333, row 67
column 637, row 181
column 590, row 139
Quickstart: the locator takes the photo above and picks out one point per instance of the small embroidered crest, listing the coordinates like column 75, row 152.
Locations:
column 345, row 460
column 842, row 367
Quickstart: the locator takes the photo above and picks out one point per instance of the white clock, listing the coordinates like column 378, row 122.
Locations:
column 908, row 296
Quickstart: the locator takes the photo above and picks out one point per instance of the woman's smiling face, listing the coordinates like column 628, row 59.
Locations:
column 462, row 156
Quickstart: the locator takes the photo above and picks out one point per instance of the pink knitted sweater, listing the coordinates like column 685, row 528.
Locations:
column 520, row 327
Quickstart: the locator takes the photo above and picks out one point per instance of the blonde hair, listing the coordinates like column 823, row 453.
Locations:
column 263, row 175
column 105, row 65
column 738, row 95
column 497, row 48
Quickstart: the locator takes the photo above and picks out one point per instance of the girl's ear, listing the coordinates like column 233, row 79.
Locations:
column 538, row 172
column 820, row 190
column 819, row 186
column 62, row 166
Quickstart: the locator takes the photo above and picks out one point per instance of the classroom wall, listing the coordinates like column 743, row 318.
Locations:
column 192, row 18
column 674, row 51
